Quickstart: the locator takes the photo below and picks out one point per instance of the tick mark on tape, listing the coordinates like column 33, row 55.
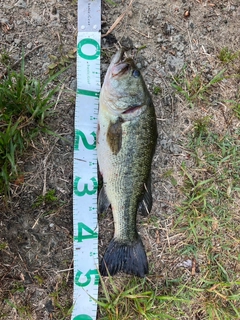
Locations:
column 80, row 160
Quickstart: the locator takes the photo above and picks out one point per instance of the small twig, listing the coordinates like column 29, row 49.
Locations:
column 19, row 60
column 115, row 24
column 58, row 97
column 70, row 269
column 26, row 55
column 64, row 270
column 161, row 76
column 223, row 113
column 118, row 20
column 157, row 237
column 193, row 271
column 36, row 222
column 45, row 170
column 147, row 36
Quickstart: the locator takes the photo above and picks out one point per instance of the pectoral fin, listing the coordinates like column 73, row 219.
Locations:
column 103, row 202
column 145, row 205
column 114, row 136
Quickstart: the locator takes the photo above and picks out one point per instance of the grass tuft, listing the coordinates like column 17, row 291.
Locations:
column 135, row 299
column 196, row 88
column 48, row 198
column 226, row 55
column 24, row 105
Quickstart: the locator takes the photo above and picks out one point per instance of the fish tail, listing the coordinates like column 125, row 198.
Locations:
column 129, row 258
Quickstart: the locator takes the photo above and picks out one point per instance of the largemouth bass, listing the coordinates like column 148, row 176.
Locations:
column 126, row 140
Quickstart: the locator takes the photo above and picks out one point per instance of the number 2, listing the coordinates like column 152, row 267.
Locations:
column 79, row 134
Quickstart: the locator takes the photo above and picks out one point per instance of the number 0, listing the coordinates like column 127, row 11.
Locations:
column 91, row 42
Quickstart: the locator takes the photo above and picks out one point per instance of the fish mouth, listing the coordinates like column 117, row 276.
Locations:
column 132, row 109
column 120, row 65
column 120, row 69
column 118, row 56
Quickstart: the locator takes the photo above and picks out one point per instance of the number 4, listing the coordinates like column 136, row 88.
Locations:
column 80, row 237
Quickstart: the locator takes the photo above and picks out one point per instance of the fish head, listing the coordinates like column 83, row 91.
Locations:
column 124, row 90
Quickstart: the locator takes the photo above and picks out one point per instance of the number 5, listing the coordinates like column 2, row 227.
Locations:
column 88, row 275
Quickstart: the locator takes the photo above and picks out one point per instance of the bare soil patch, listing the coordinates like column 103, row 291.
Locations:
column 164, row 36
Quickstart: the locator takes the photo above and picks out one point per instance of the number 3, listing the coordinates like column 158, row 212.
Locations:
column 85, row 188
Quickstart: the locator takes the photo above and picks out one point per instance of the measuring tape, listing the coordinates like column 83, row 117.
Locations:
column 85, row 184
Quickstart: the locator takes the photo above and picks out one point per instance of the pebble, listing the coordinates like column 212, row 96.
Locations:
column 17, row 41
column 164, row 143
column 179, row 46
column 209, row 28
column 175, row 64
column 18, row 22
column 3, row 21
column 45, row 66
column 127, row 42
column 130, row 13
column 36, row 17
column 139, row 65
column 177, row 38
column 73, row 85
column 159, row 38
column 145, row 63
column 54, row 14
column 21, row 4
column 167, row 29
column 29, row 45
column 9, row 38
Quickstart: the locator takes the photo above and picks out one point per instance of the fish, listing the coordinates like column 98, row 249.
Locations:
column 126, row 141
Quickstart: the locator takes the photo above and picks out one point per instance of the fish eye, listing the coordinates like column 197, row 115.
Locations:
column 136, row 73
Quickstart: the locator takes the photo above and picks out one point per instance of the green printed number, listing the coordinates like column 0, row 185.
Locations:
column 82, row 317
column 91, row 274
column 85, row 188
column 92, row 42
column 80, row 237
column 79, row 134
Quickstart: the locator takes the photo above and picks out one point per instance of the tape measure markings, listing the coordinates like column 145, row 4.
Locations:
column 85, row 227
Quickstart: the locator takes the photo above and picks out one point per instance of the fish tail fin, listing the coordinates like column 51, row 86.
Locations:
column 129, row 258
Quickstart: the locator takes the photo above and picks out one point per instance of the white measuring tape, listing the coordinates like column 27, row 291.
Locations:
column 85, row 227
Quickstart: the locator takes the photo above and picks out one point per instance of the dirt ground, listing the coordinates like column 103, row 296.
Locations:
column 36, row 260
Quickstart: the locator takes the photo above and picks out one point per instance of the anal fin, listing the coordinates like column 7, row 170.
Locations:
column 103, row 202
column 145, row 206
